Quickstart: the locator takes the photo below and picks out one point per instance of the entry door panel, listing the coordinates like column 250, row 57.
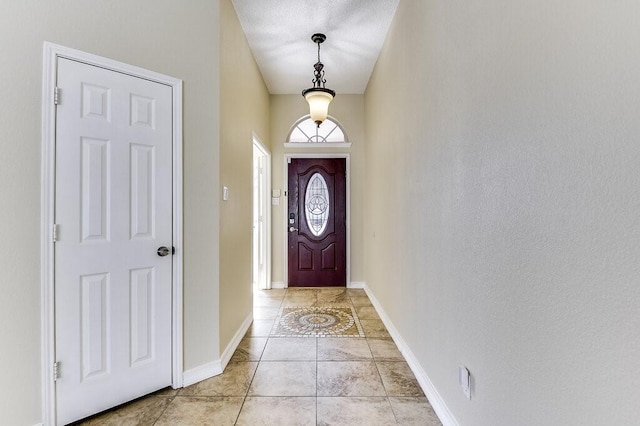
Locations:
column 114, row 210
column 317, row 222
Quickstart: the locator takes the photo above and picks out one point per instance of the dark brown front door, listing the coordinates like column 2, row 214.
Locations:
column 317, row 222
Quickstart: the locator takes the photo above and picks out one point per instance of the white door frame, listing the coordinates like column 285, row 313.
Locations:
column 257, row 144
column 347, row 158
column 50, row 60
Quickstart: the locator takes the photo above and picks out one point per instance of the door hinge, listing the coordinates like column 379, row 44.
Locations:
column 56, row 96
column 56, row 370
column 54, row 235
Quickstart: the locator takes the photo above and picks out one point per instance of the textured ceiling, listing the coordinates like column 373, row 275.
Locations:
column 279, row 34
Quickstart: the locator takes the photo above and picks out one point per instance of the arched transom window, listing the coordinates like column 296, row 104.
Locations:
column 306, row 132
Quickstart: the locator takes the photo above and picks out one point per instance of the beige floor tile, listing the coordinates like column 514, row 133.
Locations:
column 264, row 313
column 274, row 293
column 414, row 411
column 290, row 349
column 362, row 411
column 260, row 328
column 267, row 302
column 374, row 328
column 141, row 412
column 360, row 301
column 167, row 392
column 249, row 349
column 201, row 411
column 333, row 297
column 398, row 379
column 356, row 292
column 332, row 290
column 334, row 304
column 233, row 382
column 349, row 378
column 303, row 301
column 302, row 290
column 385, row 350
column 290, row 378
column 343, row 349
column 367, row 312
column 281, row 411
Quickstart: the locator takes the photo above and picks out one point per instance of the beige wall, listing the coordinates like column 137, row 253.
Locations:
column 244, row 109
column 349, row 111
column 504, row 137
column 145, row 33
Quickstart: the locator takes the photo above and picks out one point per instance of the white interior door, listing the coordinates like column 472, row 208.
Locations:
column 113, row 210
column 261, row 217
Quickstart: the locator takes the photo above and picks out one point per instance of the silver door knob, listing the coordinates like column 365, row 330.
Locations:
column 292, row 229
column 163, row 251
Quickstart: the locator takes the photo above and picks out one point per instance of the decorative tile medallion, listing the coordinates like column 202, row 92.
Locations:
column 317, row 321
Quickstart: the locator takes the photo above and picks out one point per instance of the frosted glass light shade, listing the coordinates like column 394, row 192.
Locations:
column 318, row 104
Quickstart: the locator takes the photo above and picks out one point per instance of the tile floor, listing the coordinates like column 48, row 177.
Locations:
column 295, row 380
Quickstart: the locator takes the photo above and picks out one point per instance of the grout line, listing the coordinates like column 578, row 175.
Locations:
column 240, row 411
column 246, row 394
column 165, row 408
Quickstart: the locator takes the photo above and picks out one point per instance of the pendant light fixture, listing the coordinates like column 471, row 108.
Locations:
column 318, row 96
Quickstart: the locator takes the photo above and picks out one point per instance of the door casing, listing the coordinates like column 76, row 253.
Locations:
column 51, row 53
column 285, row 217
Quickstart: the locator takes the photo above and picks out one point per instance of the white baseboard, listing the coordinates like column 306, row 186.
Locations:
column 356, row 284
column 235, row 341
column 438, row 404
column 202, row 372
column 214, row 368
column 277, row 284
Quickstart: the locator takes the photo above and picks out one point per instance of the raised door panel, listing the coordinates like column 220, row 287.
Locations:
column 142, row 190
column 94, row 307
column 95, row 183
column 96, row 102
column 329, row 257
column 305, row 257
column 142, row 286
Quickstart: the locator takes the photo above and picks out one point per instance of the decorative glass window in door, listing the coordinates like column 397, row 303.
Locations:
column 305, row 131
column 316, row 202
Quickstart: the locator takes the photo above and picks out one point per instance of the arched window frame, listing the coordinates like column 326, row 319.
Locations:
column 323, row 144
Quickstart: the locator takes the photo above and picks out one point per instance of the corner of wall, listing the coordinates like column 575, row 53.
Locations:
column 430, row 391
column 216, row 367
